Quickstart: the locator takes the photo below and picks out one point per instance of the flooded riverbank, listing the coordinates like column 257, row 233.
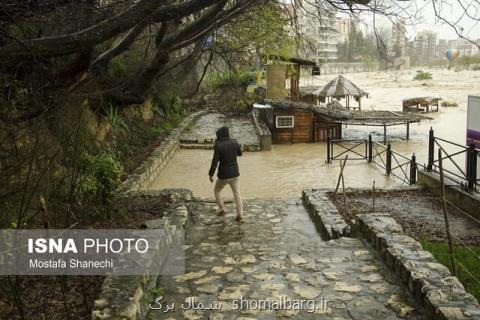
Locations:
column 287, row 169
column 282, row 172
column 386, row 91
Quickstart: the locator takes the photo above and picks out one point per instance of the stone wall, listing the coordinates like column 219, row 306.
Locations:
column 151, row 168
column 324, row 213
column 442, row 295
column 127, row 297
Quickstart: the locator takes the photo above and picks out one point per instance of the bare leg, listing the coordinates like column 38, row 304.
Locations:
column 219, row 185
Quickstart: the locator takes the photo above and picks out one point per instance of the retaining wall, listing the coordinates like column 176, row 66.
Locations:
column 468, row 202
column 324, row 213
column 151, row 168
column 441, row 294
column 127, row 297
column 431, row 283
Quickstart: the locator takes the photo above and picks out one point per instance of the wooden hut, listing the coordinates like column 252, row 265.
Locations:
column 340, row 88
column 296, row 122
column 421, row 104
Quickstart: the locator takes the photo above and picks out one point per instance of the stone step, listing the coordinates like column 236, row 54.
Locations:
column 203, row 146
column 209, row 146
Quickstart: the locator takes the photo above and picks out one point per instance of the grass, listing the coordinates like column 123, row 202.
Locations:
column 467, row 259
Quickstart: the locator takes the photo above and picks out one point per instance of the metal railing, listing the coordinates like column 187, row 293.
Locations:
column 394, row 163
column 465, row 175
column 356, row 149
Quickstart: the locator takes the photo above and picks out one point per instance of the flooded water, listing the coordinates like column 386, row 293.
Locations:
column 386, row 94
column 287, row 169
column 282, row 172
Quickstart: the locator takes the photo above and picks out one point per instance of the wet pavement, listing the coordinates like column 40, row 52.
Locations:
column 203, row 131
column 247, row 271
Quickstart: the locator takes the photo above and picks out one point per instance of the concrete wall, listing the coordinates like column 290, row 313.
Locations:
column 349, row 67
column 276, row 81
column 468, row 202
column 262, row 131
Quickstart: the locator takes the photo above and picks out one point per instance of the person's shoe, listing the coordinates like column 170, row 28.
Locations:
column 239, row 219
column 221, row 213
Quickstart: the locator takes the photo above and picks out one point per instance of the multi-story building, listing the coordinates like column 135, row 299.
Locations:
column 425, row 46
column 452, row 44
column 466, row 47
column 442, row 48
column 398, row 39
column 319, row 26
column 344, row 28
column 327, row 38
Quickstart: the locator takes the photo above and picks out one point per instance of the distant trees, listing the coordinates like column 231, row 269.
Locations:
column 357, row 46
column 468, row 61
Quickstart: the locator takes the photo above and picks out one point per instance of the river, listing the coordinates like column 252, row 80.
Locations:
column 287, row 169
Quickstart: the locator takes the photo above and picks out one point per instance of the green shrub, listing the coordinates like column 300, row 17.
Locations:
column 102, row 176
column 422, row 75
column 117, row 68
column 242, row 104
column 118, row 123
column 169, row 106
column 476, row 67
column 233, row 79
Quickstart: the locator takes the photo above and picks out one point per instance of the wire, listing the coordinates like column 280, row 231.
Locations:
column 467, row 271
column 468, row 248
column 465, row 213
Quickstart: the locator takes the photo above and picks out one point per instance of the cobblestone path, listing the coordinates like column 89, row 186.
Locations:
column 277, row 254
column 203, row 131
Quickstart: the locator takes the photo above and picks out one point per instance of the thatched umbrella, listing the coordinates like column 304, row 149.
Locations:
column 341, row 87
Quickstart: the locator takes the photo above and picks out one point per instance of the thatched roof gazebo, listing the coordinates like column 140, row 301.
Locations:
column 341, row 87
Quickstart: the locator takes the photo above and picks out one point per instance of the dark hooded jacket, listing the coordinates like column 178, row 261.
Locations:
column 226, row 151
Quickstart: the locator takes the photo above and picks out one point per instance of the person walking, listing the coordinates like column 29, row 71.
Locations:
column 225, row 155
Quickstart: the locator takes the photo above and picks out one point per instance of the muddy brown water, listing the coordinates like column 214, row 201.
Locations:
column 287, row 169
column 282, row 172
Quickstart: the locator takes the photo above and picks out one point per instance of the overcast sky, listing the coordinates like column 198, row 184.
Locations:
column 449, row 9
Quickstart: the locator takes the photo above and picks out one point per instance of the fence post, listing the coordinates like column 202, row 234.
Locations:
column 431, row 150
column 413, row 169
column 389, row 159
column 451, row 247
column 471, row 167
column 329, row 141
column 370, row 148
